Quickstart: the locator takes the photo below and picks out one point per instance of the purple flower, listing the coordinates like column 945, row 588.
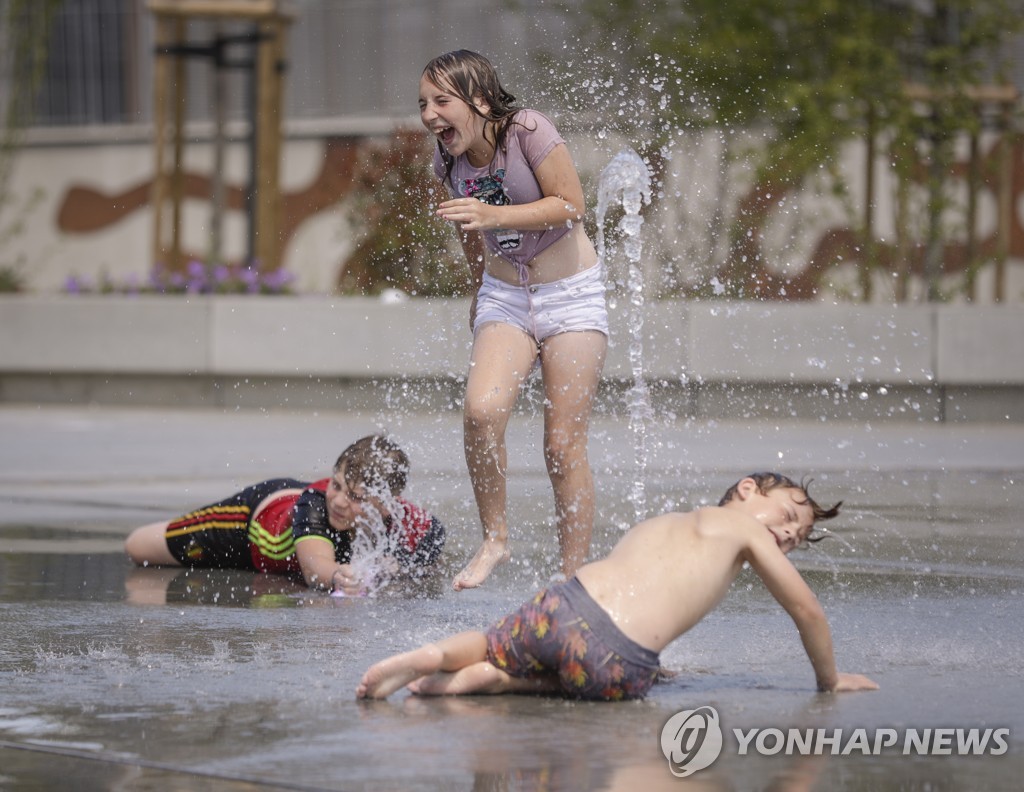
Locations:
column 277, row 280
column 175, row 282
column 198, row 278
column 250, row 278
column 75, row 285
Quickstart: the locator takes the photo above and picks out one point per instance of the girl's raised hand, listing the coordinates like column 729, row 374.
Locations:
column 472, row 214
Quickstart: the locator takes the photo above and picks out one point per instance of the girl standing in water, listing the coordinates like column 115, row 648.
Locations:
column 517, row 203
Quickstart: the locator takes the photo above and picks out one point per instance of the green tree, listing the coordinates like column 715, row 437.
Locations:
column 24, row 33
column 807, row 76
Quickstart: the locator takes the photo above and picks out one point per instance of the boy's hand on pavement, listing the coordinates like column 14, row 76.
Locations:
column 346, row 581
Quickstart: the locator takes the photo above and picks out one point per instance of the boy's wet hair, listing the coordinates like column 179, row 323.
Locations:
column 767, row 481
column 469, row 75
column 376, row 462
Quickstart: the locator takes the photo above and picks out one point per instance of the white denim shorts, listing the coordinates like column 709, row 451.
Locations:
column 546, row 309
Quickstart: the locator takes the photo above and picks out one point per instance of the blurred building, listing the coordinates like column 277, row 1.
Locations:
column 79, row 186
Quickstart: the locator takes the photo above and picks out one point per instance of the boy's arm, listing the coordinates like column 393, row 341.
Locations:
column 321, row 569
column 316, row 559
column 792, row 592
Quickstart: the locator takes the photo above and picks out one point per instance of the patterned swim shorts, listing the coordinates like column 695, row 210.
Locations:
column 562, row 631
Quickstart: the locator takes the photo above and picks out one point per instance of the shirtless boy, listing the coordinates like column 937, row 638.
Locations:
column 598, row 635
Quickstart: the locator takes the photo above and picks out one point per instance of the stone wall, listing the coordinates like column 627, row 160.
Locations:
column 702, row 360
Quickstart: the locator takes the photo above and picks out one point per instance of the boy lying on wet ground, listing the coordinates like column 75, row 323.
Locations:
column 315, row 530
column 598, row 635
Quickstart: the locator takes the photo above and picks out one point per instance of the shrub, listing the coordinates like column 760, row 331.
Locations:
column 401, row 243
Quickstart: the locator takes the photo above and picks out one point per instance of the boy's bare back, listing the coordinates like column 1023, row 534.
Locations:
column 660, row 580
column 668, row 572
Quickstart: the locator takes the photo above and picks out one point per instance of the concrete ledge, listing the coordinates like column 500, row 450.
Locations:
column 980, row 346
column 75, row 334
column 812, row 343
column 354, row 337
column 708, row 360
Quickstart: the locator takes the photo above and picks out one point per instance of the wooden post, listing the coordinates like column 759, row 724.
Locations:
column 1005, row 203
column 180, row 94
column 170, row 88
column 268, row 143
column 161, row 83
column 1005, row 97
column 220, row 96
column 971, row 244
column 902, row 269
column 868, row 261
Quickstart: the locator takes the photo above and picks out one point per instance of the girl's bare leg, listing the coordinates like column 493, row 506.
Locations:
column 450, row 654
column 501, row 360
column 571, row 364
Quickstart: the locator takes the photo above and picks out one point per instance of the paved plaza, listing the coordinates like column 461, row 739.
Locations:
column 114, row 677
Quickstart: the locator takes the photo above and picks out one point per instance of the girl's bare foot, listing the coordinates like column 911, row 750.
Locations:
column 384, row 678
column 491, row 553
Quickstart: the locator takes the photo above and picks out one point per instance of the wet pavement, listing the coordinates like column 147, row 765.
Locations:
column 116, row 677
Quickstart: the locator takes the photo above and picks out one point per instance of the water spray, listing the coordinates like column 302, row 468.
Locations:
column 628, row 179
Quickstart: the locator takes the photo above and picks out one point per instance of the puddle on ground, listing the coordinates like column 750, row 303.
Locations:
column 156, row 678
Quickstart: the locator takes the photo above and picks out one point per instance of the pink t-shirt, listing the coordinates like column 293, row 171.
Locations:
column 509, row 179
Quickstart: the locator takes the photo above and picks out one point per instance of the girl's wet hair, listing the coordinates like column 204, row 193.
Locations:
column 469, row 76
column 767, row 481
column 375, row 462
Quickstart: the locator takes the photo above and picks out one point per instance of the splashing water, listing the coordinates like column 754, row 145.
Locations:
column 373, row 549
column 627, row 178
